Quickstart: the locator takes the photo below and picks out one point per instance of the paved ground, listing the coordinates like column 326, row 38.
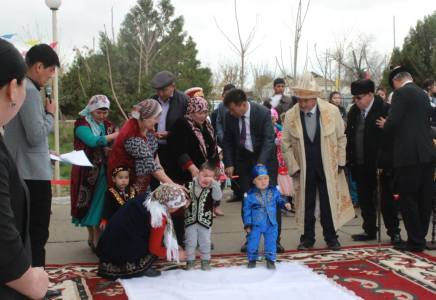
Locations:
column 68, row 244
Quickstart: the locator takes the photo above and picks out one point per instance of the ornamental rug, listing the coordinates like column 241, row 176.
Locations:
column 369, row 273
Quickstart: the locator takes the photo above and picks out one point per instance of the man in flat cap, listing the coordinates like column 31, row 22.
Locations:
column 279, row 101
column 174, row 103
column 313, row 147
column 414, row 155
column 365, row 140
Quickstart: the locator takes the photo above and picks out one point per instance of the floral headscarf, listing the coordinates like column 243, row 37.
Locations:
column 96, row 102
column 198, row 104
column 146, row 109
column 166, row 195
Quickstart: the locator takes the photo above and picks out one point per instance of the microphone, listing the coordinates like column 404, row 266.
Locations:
column 48, row 90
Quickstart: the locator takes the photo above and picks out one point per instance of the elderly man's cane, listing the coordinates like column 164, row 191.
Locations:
column 379, row 191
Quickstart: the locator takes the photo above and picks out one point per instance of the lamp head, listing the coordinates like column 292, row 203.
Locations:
column 53, row 4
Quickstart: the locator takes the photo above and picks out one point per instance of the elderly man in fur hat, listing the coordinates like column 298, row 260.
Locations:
column 313, row 146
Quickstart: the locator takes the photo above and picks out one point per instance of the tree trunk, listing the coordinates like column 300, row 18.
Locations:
column 242, row 71
column 140, row 67
column 64, row 126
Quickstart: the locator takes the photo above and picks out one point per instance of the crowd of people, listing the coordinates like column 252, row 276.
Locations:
column 156, row 182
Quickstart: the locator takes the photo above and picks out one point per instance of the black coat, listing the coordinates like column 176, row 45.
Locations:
column 185, row 148
column 262, row 137
column 15, row 251
column 409, row 122
column 178, row 104
column 374, row 139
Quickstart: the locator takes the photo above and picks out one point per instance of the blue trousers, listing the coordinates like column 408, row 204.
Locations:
column 270, row 236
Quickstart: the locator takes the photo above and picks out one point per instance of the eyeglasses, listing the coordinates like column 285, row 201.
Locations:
column 360, row 97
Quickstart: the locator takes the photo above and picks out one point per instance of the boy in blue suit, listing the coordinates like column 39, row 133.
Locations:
column 260, row 207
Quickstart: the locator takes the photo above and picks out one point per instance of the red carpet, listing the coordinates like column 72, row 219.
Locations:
column 371, row 274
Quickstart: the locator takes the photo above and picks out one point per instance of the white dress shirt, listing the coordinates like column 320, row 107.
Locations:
column 366, row 110
column 248, row 142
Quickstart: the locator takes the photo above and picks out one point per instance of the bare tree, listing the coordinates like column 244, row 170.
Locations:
column 323, row 66
column 148, row 33
column 110, row 74
column 261, row 77
column 299, row 22
column 242, row 49
column 227, row 72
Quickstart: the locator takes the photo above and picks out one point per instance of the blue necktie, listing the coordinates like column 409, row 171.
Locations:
column 309, row 114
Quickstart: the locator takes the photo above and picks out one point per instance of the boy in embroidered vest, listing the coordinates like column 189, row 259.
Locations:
column 260, row 207
column 203, row 190
column 117, row 195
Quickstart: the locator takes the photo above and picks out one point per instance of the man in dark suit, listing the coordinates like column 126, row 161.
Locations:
column 414, row 155
column 220, row 128
column 364, row 139
column 249, row 141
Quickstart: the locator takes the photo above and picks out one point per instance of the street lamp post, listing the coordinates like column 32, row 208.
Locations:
column 54, row 6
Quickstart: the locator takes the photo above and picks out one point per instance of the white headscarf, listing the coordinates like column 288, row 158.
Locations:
column 96, row 102
column 166, row 195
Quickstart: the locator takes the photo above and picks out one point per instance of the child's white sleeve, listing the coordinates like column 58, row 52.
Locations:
column 217, row 194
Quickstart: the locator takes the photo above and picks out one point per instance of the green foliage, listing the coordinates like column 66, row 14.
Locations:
column 418, row 52
column 165, row 46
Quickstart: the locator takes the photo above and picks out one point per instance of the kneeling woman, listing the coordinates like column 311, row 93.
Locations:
column 132, row 239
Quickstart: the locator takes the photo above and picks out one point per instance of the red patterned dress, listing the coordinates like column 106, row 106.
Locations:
column 136, row 151
column 84, row 180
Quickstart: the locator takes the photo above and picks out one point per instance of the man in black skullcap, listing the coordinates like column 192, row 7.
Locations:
column 365, row 140
column 414, row 155
column 173, row 103
column 279, row 101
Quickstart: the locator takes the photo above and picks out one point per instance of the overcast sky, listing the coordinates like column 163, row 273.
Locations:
column 81, row 20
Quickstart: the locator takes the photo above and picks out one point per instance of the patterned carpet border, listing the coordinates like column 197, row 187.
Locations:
column 371, row 274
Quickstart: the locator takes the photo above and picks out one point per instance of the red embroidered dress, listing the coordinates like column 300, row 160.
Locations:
column 136, row 151
column 84, row 179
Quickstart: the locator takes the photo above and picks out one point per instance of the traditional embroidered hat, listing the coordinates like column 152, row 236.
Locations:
column 362, row 86
column 195, row 92
column 118, row 169
column 162, row 80
column 146, row 109
column 258, row 171
column 395, row 71
column 307, row 88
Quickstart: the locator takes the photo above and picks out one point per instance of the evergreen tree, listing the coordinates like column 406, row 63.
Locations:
column 150, row 40
column 418, row 52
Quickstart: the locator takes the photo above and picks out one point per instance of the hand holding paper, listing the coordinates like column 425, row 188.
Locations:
column 75, row 158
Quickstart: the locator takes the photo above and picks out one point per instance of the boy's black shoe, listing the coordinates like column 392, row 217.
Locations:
column 279, row 248
column 150, row 272
column 270, row 265
column 244, row 247
column 251, row 264
column 305, row 246
column 333, row 245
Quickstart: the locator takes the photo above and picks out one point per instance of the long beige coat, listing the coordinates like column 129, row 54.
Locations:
column 333, row 142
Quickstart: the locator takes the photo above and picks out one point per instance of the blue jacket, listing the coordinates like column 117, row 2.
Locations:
column 257, row 211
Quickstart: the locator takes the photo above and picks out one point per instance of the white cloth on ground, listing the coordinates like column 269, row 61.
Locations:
column 291, row 279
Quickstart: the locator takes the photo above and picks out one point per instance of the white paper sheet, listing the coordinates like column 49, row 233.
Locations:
column 289, row 281
column 78, row 158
